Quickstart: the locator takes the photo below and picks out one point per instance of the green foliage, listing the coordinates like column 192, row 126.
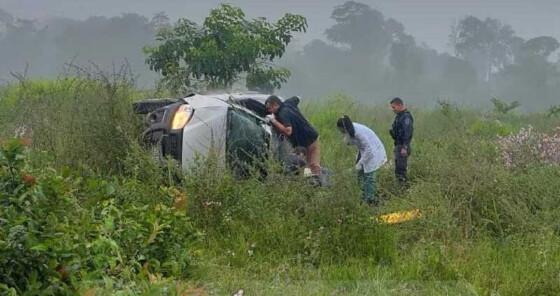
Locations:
column 542, row 46
column 360, row 27
column 447, row 108
column 81, row 121
column 554, row 111
column 61, row 231
column 485, row 228
column 11, row 160
column 501, row 107
column 266, row 80
column 224, row 47
column 284, row 221
column 490, row 128
column 489, row 38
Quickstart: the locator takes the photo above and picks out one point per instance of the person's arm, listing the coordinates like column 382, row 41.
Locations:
column 392, row 133
column 406, row 134
column 284, row 129
column 367, row 157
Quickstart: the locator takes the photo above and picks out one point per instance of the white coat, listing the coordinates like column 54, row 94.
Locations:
column 371, row 150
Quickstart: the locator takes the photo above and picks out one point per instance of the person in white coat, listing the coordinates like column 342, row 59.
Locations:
column 371, row 155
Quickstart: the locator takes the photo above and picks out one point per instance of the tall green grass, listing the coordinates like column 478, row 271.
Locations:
column 485, row 229
column 80, row 121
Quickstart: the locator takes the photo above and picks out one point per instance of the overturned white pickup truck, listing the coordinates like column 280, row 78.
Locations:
column 232, row 126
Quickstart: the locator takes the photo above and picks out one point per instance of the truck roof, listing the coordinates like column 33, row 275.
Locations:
column 222, row 100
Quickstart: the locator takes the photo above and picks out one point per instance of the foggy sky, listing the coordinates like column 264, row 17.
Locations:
column 428, row 20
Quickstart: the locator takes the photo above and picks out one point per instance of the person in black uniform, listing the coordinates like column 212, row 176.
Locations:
column 401, row 132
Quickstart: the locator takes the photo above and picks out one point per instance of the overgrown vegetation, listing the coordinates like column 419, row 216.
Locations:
column 75, row 222
column 83, row 119
column 502, row 107
column 61, row 232
column 85, row 210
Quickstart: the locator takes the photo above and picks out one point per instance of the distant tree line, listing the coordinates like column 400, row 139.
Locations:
column 44, row 48
column 373, row 57
column 364, row 54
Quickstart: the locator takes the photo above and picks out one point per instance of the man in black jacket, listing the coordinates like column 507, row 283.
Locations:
column 288, row 120
column 401, row 132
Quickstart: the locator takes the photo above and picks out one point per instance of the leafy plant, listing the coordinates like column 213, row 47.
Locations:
column 446, row 107
column 224, row 47
column 56, row 230
column 502, row 107
column 554, row 111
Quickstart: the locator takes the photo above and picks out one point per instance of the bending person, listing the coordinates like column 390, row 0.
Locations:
column 290, row 122
column 371, row 155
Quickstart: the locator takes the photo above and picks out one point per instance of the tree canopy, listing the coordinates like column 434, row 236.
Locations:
column 224, row 48
column 487, row 41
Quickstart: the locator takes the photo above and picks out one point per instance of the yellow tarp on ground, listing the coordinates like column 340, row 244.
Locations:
column 399, row 217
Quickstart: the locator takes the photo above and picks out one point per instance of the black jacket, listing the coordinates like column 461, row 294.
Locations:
column 303, row 134
column 402, row 128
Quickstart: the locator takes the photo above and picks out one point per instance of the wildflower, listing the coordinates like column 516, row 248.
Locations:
column 29, row 179
column 26, row 141
column 528, row 146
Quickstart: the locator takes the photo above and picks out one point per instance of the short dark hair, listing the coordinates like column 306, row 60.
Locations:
column 273, row 99
column 300, row 150
column 397, row 101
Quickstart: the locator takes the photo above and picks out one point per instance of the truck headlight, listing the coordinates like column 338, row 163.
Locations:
column 181, row 117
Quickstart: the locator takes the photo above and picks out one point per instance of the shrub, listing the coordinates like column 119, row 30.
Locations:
column 490, row 129
column 501, row 107
column 85, row 120
column 57, row 231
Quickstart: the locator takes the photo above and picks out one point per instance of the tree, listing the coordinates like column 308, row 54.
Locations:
column 488, row 44
column 160, row 21
column 406, row 58
column 44, row 48
column 225, row 47
column 361, row 28
column 458, row 75
column 6, row 20
column 542, row 46
column 532, row 75
column 107, row 42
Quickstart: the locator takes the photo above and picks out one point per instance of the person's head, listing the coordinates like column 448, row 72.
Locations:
column 345, row 126
column 397, row 104
column 272, row 104
column 300, row 151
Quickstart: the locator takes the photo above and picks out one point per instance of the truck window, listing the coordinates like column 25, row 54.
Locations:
column 246, row 143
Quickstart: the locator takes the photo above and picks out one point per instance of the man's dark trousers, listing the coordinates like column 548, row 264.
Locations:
column 401, row 163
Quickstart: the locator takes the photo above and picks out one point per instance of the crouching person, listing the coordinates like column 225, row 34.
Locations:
column 295, row 161
column 371, row 155
column 289, row 121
